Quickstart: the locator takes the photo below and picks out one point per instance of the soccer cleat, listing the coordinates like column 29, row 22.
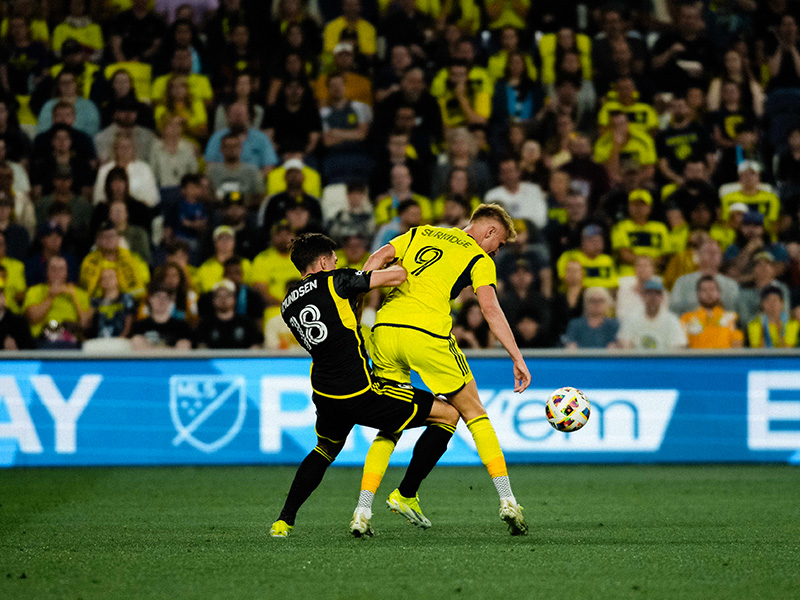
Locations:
column 409, row 508
column 511, row 514
column 360, row 526
column 280, row 529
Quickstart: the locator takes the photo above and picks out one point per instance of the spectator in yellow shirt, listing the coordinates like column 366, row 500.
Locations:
column 109, row 255
column 213, row 270
column 273, row 269
column 753, row 195
column 621, row 141
column 462, row 103
column 350, row 27
column 599, row 269
column 638, row 234
column 359, row 88
column 711, row 326
column 57, row 300
column 771, row 328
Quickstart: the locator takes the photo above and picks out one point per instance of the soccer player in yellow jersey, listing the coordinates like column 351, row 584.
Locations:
column 413, row 332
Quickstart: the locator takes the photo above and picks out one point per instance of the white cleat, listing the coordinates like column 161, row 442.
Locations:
column 511, row 514
column 360, row 525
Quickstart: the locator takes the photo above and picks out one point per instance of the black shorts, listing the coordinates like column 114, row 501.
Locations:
column 388, row 406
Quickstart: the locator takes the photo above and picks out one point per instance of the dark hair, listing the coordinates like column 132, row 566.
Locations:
column 114, row 174
column 308, row 247
column 356, row 186
column 705, row 278
column 232, row 261
column 405, row 205
column 769, row 290
column 190, row 178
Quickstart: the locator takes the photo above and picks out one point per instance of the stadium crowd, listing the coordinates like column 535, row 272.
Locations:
column 158, row 156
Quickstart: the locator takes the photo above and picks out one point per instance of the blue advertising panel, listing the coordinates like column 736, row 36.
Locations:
column 258, row 410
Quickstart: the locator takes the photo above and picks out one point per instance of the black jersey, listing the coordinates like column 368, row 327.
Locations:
column 319, row 311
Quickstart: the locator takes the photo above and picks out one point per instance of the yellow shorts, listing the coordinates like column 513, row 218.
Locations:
column 397, row 350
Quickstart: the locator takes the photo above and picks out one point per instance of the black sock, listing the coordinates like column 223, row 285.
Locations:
column 428, row 450
column 308, row 477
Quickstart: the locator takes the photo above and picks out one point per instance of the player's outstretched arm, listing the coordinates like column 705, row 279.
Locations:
column 490, row 307
column 388, row 277
column 380, row 258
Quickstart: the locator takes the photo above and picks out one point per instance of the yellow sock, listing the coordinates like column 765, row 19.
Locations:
column 488, row 446
column 376, row 462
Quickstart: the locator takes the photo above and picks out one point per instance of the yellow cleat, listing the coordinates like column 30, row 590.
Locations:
column 409, row 508
column 511, row 514
column 280, row 529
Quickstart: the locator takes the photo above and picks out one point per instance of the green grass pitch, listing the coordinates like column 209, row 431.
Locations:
column 596, row 532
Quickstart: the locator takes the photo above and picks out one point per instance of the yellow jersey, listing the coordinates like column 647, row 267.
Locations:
column 599, row 271
column 440, row 263
column 763, row 201
column 651, row 239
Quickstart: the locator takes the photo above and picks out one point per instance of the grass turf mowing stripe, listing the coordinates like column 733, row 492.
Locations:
column 596, row 532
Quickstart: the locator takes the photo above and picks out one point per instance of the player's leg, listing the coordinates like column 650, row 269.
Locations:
column 430, row 447
column 306, row 480
column 468, row 403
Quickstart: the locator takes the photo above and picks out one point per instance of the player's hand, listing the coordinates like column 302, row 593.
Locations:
column 522, row 377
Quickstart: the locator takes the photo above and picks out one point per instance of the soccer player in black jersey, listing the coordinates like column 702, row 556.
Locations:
column 319, row 310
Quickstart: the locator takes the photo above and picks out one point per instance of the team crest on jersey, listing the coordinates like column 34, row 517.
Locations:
column 207, row 410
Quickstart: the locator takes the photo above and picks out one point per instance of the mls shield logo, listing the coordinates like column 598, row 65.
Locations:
column 207, row 410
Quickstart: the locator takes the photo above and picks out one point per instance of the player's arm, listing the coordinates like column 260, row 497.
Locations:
column 380, row 258
column 388, row 277
column 490, row 307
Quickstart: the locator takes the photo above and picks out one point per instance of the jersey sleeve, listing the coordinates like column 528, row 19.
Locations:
column 349, row 283
column 402, row 242
column 483, row 273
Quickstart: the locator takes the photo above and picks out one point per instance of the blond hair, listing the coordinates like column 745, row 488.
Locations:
column 496, row 213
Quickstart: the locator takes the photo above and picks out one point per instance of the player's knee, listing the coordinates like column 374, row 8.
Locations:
column 442, row 412
column 330, row 448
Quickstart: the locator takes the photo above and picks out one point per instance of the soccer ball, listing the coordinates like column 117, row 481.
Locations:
column 567, row 409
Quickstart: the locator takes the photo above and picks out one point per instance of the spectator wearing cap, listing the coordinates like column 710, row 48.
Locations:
column 725, row 231
column 630, row 295
column 357, row 87
column 639, row 234
column 124, row 121
column 345, row 125
column 595, row 329
column 651, row 328
column 50, row 238
column 711, row 326
column 357, row 218
column 249, row 302
column 764, row 276
column 273, row 269
column 213, row 269
column 161, row 329
column 57, row 300
column 683, row 140
column 15, row 333
column 752, row 193
column 13, row 279
column 388, row 204
column 350, row 28
column 132, row 272
column 61, row 156
column 141, row 181
column 79, row 207
column 233, row 175
column 293, row 122
column 225, row 329
column 619, row 142
column 409, row 214
column 114, row 311
column 312, row 181
column 772, row 327
column 172, row 156
column 274, row 208
column 751, row 239
column 709, row 261
column 522, row 199
column 599, row 269
column 257, row 149
column 87, row 117
column 16, row 236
